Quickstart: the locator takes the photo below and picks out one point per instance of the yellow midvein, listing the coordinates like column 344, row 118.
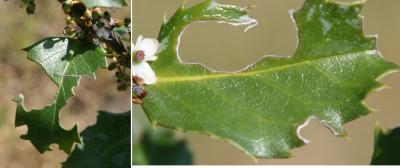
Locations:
column 202, row 77
column 225, row 75
column 161, row 79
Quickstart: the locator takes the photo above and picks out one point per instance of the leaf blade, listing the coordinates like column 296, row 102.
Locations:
column 386, row 147
column 262, row 109
column 160, row 147
column 65, row 61
column 106, row 144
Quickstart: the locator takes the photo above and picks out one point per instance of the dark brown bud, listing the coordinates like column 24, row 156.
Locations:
column 127, row 21
column 137, row 80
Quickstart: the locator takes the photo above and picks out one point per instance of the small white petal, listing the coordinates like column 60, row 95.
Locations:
column 111, row 22
column 148, row 45
column 144, row 71
column 150, row 58
column 138, row 41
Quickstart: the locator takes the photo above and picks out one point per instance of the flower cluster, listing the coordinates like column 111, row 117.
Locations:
column 97, row 27
column 145, row 50
column 91, row 25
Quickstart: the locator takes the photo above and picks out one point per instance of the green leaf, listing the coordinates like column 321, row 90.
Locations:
column 105, row 144
column 104, row 3
column 158, row 147
column 387, row 147
column 65, row 62
column 263, row 108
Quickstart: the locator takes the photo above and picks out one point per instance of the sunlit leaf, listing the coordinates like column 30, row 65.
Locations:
column 262, row 109
column 65, row 62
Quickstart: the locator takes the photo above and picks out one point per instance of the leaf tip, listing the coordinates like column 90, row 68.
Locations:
column 183, row 4
column 18, row 99
column 76, row 137
column 165, row 19
column 251, row 24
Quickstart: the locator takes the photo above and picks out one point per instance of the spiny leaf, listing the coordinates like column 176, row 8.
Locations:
column 65, row 61
column 104, row 3
column 387, row 147
column 105, row 144
column 262, row 109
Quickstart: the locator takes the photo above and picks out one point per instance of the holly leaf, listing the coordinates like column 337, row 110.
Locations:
column 105, row 144
column 263, row 108
column 159, row 147
column 65, row 61
column 104, row 3
column 387, row 147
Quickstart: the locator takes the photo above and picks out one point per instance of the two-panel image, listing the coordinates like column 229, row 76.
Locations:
column 125, row 83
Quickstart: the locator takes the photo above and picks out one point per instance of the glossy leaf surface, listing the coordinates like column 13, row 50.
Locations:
column 262, row 109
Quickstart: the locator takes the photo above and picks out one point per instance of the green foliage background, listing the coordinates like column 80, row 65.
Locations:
column 276, row 34
column 19, row 75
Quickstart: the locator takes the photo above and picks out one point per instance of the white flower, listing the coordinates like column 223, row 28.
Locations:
column 144, row 50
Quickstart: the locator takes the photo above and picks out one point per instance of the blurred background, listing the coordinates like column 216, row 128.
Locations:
column 224, row 47
column 19, row 75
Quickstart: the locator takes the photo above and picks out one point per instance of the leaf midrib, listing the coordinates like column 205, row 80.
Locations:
column 61, row 87
column 166, row 79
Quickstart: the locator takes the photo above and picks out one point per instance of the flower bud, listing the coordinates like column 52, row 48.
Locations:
column 77, row 10
column 119, row 24
column 88, row 14
column 112, row 66
column 66, row 9
column 68, row 20
column 96, row 13
column 107, row 15
column 127, row 21
column 69, row 3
